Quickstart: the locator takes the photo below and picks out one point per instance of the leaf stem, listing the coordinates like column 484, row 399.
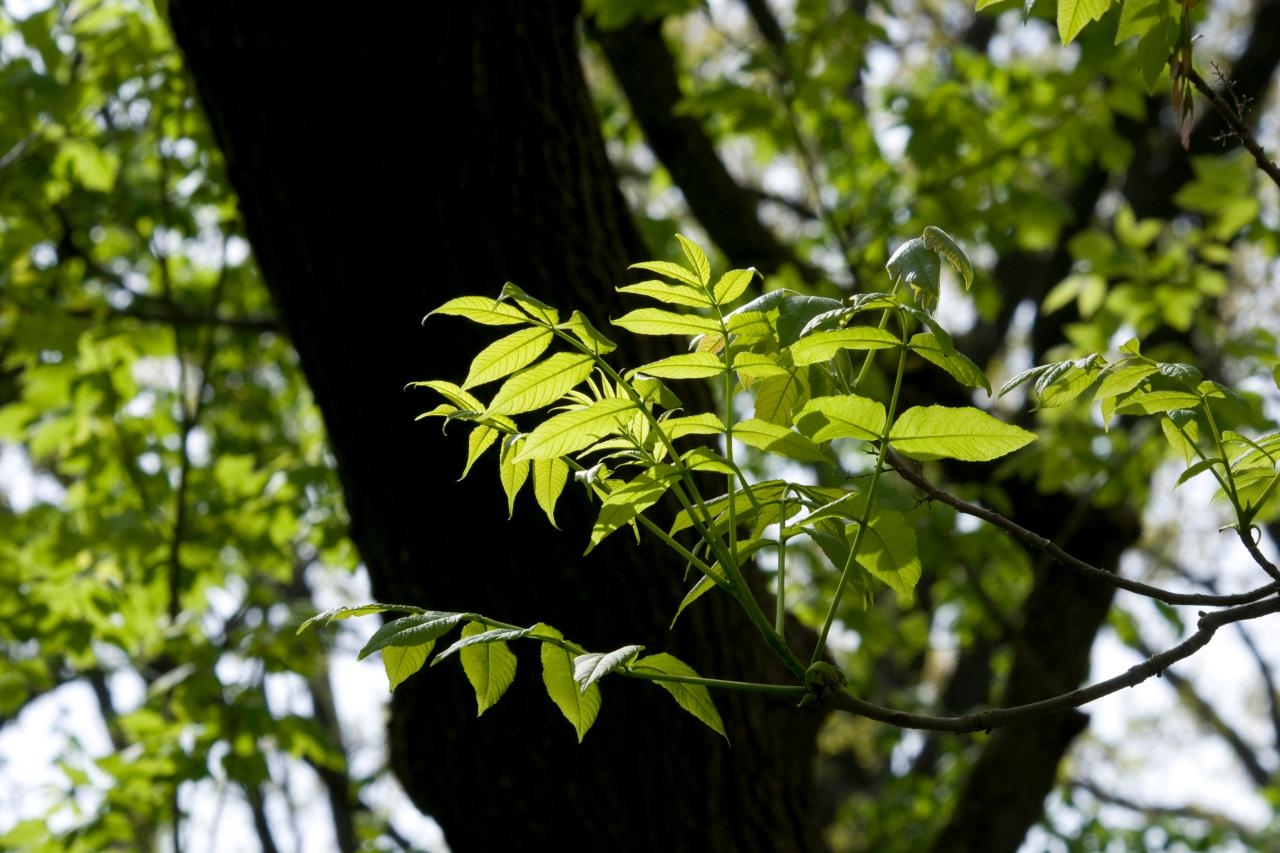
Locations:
column 847, row 571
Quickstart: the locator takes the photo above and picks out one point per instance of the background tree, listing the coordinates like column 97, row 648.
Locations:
column 149, row 378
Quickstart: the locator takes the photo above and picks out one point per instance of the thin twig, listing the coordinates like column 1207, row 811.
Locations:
column 994, row 718
column 1237, row 125
column 932, row 492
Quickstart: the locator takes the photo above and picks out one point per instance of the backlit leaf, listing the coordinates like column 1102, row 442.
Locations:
column 655, row 321
column 481, row 309
column 542, row 384
column 694, row 698
column 843, row 416
column 823, row 346
column 490, row 667
column 580, row 707
column 507, row 355
column 966, row 433
column 572, row 431
column 400, row 662
column 549, row 478
column 779, row 440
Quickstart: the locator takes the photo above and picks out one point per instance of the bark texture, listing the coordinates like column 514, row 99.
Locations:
column 385, row 164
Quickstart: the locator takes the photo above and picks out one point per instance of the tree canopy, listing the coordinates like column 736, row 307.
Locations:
column 222, row 225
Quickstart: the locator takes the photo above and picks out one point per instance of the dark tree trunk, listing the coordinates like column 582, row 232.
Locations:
column 384, row 164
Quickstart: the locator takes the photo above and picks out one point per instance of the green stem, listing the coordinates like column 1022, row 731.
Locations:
column 847, row 571
column 788, row 690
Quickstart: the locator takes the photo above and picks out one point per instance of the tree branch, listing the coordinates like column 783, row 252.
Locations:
column 986, row 721
column 1034, row 540
column 1238, row 128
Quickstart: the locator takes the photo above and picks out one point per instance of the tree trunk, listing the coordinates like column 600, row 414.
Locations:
column 385, row 164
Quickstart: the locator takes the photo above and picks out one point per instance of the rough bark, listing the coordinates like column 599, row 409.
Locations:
column 383, row 166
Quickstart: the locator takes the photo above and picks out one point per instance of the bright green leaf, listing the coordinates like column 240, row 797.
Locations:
column 542, row 384
column 843, row 416
column 694, row 698
column 692, row 365
column 779, row 440
column 822, row 346
column 732, row 285
column 400, row 662
column 549, row 478
column 655, row 321
column 480, row 309
column 697, row 259
column 507, row 355
column 490, row 667
column 965, row 433
column 1073, row 15
column 580, row 707
column 572, row 431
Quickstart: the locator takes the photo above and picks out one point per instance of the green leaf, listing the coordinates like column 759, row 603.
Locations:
column 1023, row 377
column 944, row 245
column 480, row 439
column 823, row 346
column 462, row 399
column 778, row 396
column 538, row 310
column 655, row 321
column 1137, row 17
column 765, row 493
column 704, row 584
column 571, row 431
column 542, row 384
column 624, row 503
column 692, row 365
column 512, row 472
column 697, row 259
column 593, row 666
column 672, row 294
column 964, row 371
column 480, row 309
column 490, row 667
column 349, row 611
column 749, row 327
column 753, row 365
column 582, row 329
column 1067, row 380
column 732, row 285
column 705, row 423
column 1183, row 439
column 549, row 478
column 706, row 459
column 779, row 440
column 694, row 698
column 843, row 416
column 670, row 270
column 580, row 707
column 473, row 638
column 400, row 662
column 916, row 265
column 1122, row 377
column 1155, row 402
column 1197, row 468
column 507, row 355
column 1073, row 15
column 966, row 433
column 415, row 630
column 888, row 551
